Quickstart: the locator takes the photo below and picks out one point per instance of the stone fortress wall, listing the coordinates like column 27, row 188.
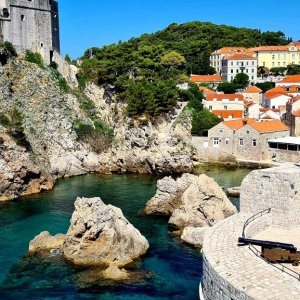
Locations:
column 231, row 272
column 31, row 25
column 277, row 188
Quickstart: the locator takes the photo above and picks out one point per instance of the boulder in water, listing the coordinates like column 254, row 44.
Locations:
column 100, row 235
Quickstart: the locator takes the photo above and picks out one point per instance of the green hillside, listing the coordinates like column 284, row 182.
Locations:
column 156, row 62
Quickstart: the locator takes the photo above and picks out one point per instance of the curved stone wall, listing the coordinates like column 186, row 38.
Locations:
column 234, row 273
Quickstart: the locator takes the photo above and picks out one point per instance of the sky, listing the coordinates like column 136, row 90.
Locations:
column 95, row 23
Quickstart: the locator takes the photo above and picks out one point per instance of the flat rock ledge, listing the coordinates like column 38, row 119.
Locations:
column 99, row 237
column 192, row 202
column 46, row 242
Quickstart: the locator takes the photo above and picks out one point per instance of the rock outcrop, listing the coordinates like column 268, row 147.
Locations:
column 191, row 201
column 46, row 242
column 194, row 235
column 48, row 114
column 100, row 235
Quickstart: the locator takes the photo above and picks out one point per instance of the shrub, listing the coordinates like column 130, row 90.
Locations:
column 10, row 48
column 4, row 120
column 99, row 136
column 1, row 140
column 34, row 57
column 53, row 65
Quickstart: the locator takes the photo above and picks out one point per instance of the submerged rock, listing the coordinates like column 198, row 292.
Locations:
column 100, row 235
column 45, row 241
column 234, row 191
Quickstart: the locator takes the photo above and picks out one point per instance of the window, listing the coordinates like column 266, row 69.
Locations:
column 253, row 63
column 273, row 56
column 216, row 142
column 254, row 143
column 273, row 64
column 225, row 107
column 264, row 64
column 241, row 142
column 221, row 131
column 247, row 131
column 227, row 141
column 210, row 107
column 23, row 18
column 279, row 64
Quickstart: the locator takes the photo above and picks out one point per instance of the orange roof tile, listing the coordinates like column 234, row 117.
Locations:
column 275, row 95
column 296, row 113
column 228, row 50
column 220, row 97
column 269, row 126
column 206, row 90
column 291, row 79
column 234, row 124
column 284, row 89
column 253, row 89
column 225, row 114
column 270, row 48
column 239, row 56
column 206, row 78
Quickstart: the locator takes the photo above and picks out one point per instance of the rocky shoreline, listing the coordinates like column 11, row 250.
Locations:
column 50, row 148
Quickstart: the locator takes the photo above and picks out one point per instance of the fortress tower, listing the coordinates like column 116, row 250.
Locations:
column 31, row 25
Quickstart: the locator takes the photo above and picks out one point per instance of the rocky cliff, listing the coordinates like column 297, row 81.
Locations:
column 44, row 145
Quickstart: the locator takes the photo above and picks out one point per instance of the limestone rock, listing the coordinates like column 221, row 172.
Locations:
column 45, row 241
column 191, row 201
column 100, row 235
column 194, row 235
column 203, row 203
column 168, row 195
column 234, row 191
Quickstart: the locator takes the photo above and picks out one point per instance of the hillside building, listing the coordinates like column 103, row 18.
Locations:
column 217, row 56
column 239, row 63
column 277, row 56
column 31, row 25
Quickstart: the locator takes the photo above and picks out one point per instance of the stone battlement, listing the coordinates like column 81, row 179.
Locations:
column 277, row 188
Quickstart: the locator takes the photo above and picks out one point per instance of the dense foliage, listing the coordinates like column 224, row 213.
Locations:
column 13, row 122
column 34, row 57
column 265, row 86
column 194, row 41
column 145, row 70
column 202, row 119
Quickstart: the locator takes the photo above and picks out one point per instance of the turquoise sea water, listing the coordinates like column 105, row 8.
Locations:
column 172, row 270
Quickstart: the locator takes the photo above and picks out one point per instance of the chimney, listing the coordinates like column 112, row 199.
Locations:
column 245, row 122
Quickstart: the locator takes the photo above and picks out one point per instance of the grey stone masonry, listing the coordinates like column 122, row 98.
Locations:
column 31, row 25
column 277, row 188
column 234, row 273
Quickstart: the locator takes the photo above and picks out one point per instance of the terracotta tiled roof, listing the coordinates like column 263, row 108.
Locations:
column 220, row 97
column 291, row 79
column 284, row 89
column 271, row 48
column 296, row 113
column 239, row 56
column 206, row 78
column 275, row 95
column 206, row 90
column 234, row 124
column 253, row 89
column 229, row 50
column 267, row 126
column 225, row 114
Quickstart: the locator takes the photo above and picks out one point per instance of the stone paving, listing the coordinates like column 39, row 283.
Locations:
column 234, row 272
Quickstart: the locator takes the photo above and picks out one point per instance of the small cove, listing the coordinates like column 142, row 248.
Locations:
column 174, row 270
